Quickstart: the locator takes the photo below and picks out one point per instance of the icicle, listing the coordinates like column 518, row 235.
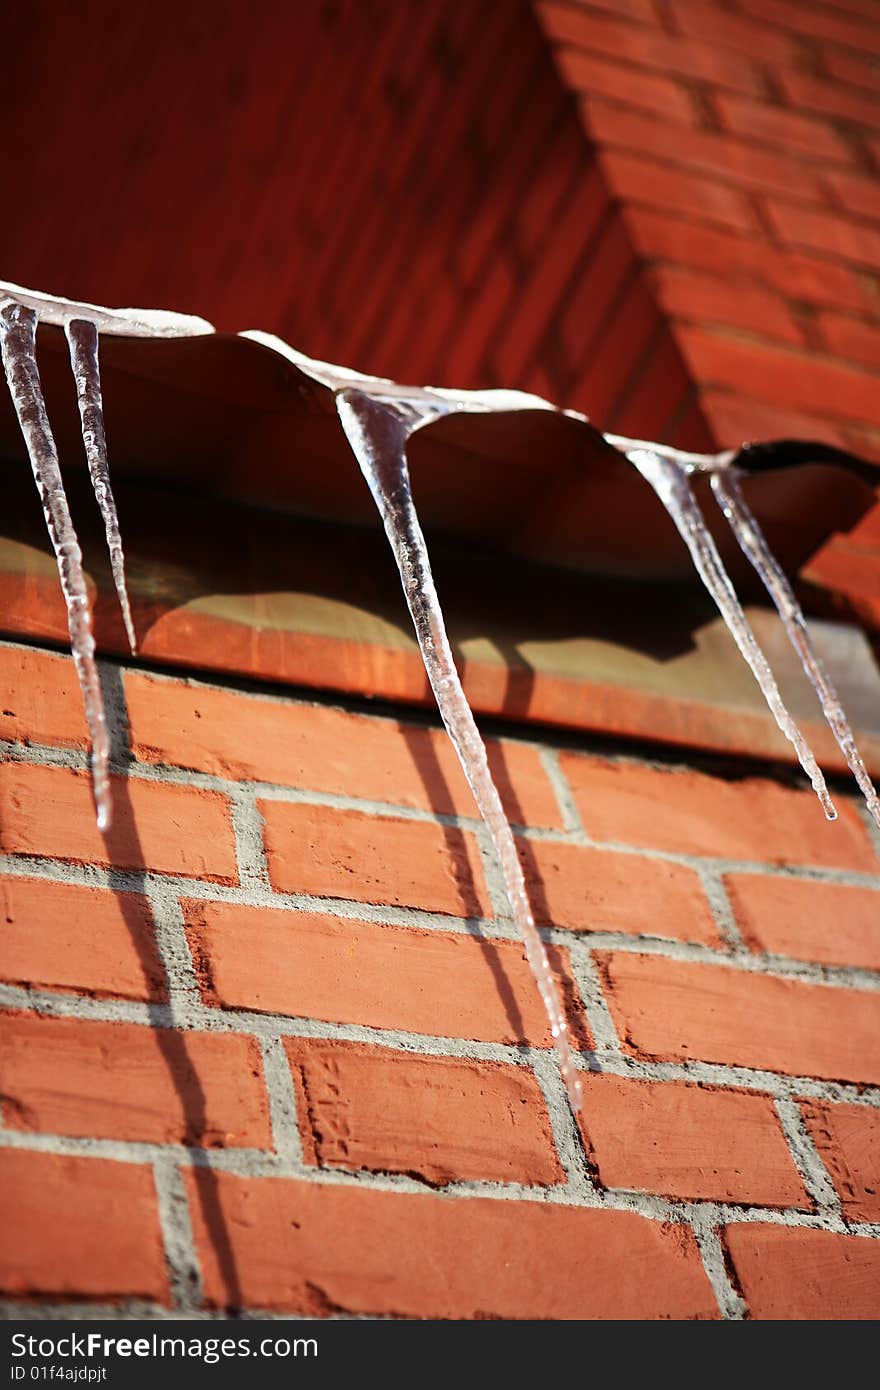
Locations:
column 744, row 524
column 670, row 481
column 18, row 345
column 377, row 433
column 82, row 338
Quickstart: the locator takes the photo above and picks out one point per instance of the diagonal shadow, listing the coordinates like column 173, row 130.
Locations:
column 172, row 1045
column 440, row 798
column 538, row 900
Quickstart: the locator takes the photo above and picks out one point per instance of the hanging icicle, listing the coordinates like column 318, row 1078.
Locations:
column 671, row 482
column 18, row 343
column 378, row 433
column 743, row 523
column 378, row 418
column 82, row 338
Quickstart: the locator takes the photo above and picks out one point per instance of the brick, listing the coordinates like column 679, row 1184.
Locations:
column 643, row 180
column 795, row 274
column 79, row 1228
column 695, row 813
column 300, row 964
column 101, row 1080
column 633, row 325
column 317, row 1249
column 598, row 284
column 851, row 573
column 690, row 430
column 590, row 74
column 656, row 395
column 815, row 22
column 716, row 26
column 495, row 294
column 866, row 532
column 171, row 830
column 67, row 937
column 42, row 699
column 848, row 1140
column 787, row 130
column 441, row 1119
column 735, row 418
column 647, row 48
column 551, row 185
column 783, row 377
column 639, row 10
column 720, row 156
column 805, row 1275
column 850, row 338
column 540, row 298
column 834, row 99
column 826, row 232
column 688, row 1142
column 323, row 749
column 856, row 194
column 710, row 299
column 374, row 859
column 830, row 923
column 499, row 196
column 586, row 890
column 677, row 1010
column 865, row 442
column 859, row 69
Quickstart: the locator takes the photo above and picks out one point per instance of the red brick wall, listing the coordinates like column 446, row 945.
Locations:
column 674, row 226
column 281, row 1010
column 740, row 140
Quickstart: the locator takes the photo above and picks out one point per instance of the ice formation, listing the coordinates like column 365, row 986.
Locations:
column 20, row 310
column 743, row 523
column 82, row 338
column 671, row 482
column 18, row 343
column 378, row 418
column 378, row 431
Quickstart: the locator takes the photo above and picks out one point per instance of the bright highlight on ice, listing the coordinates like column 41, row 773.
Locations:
column 18, row 343
column 378, row 418
column 377, row 432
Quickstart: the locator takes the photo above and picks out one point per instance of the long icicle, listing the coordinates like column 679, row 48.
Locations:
column 377, row 434
column 18, row 347
column 744, row 524
column 670, row 481
column 82, row 339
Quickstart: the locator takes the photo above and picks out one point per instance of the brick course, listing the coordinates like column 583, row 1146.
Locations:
column 349, row 1060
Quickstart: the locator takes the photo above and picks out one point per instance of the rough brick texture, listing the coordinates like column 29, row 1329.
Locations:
column 121, row 1081
column 438, row 1118
column 172, row 830
column 828, row 923
column 749, row 819
column 67, row 936
column 804, row 1274
column 373, row 859
column 685, row 1141
column 304, row 1248
column 346, row 971
column 376, row 1065
column 79, row 1228
column 848, row 1138
column 676, row 1009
